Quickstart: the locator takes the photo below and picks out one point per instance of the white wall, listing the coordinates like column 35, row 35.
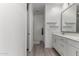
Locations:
column 13, row 18
column 52, row 15
column 38, row 25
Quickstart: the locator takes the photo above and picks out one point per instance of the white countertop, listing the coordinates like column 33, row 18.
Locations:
column 72, row 37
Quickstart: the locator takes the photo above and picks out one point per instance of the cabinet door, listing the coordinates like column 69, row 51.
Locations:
column 60, row 45
column 70, row 51
column 56, row 42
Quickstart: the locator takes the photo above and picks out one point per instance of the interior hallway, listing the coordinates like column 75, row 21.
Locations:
column 39, row 50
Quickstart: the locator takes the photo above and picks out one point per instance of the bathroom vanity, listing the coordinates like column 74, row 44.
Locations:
column 66, row 45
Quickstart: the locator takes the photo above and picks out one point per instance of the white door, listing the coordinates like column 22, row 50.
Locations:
column 13, row 35
column 38, row 26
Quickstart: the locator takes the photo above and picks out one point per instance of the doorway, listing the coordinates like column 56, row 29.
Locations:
column 35, row 26
column 36, row 37
column 38, row 26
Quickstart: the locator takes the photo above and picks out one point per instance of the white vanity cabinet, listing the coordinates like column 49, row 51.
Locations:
column 73, row 48
column 70, row 50
column 66, row 46
column 59, row 45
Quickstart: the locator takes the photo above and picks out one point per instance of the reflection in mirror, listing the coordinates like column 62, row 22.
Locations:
column 70, row 19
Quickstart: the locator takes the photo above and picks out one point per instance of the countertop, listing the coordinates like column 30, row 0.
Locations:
column 72, row 37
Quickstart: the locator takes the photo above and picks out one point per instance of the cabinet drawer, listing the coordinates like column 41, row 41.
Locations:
column 62, row 39
column 73, row 43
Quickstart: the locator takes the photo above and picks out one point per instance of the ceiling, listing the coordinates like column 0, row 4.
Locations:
column 39, row 8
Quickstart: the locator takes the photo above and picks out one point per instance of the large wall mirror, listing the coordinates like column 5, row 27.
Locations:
column 70, row 19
